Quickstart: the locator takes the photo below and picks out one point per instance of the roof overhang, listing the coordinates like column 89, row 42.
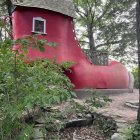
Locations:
column 65, row 7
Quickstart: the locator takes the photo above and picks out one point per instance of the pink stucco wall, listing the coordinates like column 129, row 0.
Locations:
column 60, row 29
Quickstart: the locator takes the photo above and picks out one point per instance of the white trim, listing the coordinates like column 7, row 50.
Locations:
column 33, row 25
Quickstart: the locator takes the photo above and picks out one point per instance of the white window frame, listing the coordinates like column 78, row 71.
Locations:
column 33, row 25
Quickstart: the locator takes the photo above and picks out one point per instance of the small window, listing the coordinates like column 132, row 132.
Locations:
column 39, row 25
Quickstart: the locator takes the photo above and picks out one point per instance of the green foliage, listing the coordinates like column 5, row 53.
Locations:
column 110, row 24
column 24, row 87
column 132, row 133
column 135, row 72
column 97, row 100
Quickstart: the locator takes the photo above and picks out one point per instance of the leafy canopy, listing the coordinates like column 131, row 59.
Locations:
column 107, row 25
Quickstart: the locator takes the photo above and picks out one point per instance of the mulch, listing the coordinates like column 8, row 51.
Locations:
column 78, row 133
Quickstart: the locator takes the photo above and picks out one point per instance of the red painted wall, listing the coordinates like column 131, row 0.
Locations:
column 60, row 29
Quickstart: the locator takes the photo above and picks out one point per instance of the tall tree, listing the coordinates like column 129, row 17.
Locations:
column 6, row 7
column 107, row 24
column 5, row 19
column 138, row 40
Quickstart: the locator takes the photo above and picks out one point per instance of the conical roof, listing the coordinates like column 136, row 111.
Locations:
column 65, row 7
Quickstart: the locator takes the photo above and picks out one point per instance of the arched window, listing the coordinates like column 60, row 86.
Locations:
column 39, row 25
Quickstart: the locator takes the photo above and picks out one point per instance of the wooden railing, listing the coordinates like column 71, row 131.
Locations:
column 97, row 57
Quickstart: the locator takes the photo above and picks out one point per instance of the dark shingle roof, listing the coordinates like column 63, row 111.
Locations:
column 65, row 7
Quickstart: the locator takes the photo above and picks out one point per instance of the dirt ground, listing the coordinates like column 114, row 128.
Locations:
column 118, row 109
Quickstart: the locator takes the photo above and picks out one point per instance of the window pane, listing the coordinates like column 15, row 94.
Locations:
column 39, row 26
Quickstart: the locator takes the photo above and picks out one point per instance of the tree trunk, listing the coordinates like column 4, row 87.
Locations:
column 138, row 40
column 91, row 38
column 91, row 43
column 9, row 10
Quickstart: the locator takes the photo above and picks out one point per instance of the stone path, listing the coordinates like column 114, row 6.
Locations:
column 117, row 107
column 123, row 114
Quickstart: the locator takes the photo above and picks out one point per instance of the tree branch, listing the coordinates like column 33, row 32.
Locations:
column 84, row 42
column 105, row 11
column 80, row 13
column 108, row 43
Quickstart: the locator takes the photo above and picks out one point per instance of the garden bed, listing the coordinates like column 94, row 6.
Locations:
column 75, row 124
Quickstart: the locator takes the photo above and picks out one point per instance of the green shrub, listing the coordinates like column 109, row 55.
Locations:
column 132, row 133
column 24, row 87
column 135, row 73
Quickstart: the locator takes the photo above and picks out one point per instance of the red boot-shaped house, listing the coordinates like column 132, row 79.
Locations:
column 53, row 21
